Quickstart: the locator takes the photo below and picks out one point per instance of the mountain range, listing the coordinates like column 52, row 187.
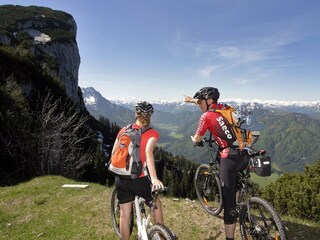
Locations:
column 290, row 135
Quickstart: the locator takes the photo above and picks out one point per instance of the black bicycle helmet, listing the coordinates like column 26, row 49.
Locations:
column 143, row 107
column 207, row 93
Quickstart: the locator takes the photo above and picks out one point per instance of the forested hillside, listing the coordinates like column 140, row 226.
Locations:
column 44, row 126
column 40, row 131
column 291, row 139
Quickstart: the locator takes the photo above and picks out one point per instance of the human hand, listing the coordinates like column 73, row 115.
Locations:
column 189, row 99
column 156, row 183
column 199, row 143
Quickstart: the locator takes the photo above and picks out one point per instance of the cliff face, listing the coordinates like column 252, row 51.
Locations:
column 51, row 37
column 67, row 56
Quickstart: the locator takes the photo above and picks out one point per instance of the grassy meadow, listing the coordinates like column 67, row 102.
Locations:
column 42, row 209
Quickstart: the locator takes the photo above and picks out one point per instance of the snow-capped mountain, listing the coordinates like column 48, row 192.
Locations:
column 305, row 107
column 92, row 97
column 98, row 107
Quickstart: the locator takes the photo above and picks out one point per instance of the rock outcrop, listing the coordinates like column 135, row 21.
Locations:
column 51, row 36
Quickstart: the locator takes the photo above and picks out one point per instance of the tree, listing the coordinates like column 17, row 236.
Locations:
column 61, row 135
column 16, row 146
column 297, row 194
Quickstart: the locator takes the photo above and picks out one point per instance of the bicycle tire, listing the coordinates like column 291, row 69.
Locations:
column 208, row 190
column 159, row 231
column 264, row 221
column 115, row 214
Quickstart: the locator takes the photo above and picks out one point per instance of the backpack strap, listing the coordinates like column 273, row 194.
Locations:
column 143, row 130
column 129, row 126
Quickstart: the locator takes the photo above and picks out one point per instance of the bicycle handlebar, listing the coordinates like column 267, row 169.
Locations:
column 160, row 189
column 251, row 152
column 254, row 153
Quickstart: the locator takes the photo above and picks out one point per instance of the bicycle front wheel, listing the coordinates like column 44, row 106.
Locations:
column 208, row 189
column 115, row 214
column 261, row 221
column 159, row 231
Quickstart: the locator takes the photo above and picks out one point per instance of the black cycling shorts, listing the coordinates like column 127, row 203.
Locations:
column 127, row 189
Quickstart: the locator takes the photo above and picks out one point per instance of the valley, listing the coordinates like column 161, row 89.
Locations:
column 290, row 135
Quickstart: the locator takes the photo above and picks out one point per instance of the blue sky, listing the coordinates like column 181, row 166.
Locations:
column 164, row 49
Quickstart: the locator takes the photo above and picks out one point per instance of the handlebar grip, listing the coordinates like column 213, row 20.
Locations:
column 160, row 189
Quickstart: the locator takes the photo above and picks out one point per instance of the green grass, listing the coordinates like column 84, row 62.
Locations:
column 42, row 209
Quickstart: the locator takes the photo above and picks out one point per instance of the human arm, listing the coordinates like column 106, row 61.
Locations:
column 189, row 99
column 201, row 130
column 196, row 138
column 156, row 183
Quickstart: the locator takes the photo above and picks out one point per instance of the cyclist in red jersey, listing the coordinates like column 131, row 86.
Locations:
column 231, row 159
column 127, row 189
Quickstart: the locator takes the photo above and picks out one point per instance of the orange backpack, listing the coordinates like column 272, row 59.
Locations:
column 126, row 161
column 243, row 136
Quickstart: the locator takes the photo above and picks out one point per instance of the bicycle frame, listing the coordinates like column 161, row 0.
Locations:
column 142, row 222
column 245, row 185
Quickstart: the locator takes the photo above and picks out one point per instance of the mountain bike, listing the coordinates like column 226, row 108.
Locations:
column 257, row 217
column 143, row 212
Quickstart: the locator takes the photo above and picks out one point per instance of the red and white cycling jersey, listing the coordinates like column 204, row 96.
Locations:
column 217, row 125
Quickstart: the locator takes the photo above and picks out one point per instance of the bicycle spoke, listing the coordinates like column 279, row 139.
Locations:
column 208, row 190
column 261, row 222
column 267, row 223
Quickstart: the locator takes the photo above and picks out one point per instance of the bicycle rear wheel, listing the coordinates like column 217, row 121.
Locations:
column 261, row 221
column 115, row 214
column 160, row 232
column 208, row 190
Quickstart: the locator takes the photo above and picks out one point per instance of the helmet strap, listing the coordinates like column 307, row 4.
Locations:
column 207, row 104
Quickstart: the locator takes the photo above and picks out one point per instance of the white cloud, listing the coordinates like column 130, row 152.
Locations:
column 206, row 72
column 228, row 52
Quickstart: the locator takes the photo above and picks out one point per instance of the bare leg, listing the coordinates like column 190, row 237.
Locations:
column 125, row 211
column 230, row 229
column 158, row 215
